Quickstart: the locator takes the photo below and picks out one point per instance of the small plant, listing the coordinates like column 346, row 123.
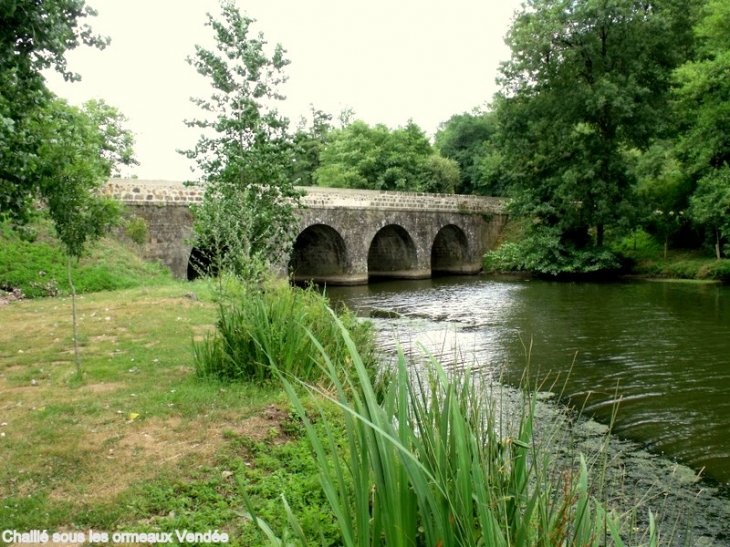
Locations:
column 136, row 229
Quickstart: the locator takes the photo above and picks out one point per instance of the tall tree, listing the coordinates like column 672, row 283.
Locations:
column 309, row 140
column 33, row 36
column 244, row 151
column 703, row 105
column 587, row 81
column 469, row 139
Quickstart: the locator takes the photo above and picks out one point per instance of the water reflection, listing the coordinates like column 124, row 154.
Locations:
column 662, row 349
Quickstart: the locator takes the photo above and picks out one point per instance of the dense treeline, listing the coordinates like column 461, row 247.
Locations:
column 612, row 118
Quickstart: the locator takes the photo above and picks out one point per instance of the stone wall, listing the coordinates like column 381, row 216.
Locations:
column 157, row 191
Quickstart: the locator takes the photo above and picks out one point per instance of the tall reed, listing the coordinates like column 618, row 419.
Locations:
column 431, row 462
column 260, row 328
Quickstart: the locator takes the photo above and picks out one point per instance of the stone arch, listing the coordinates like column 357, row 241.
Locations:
column 319, row 254
column 450, row 251
column 199, row 264
column 392, row 253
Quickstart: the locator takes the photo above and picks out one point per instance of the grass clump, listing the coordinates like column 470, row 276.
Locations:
column 258, row 327
column 432, row 461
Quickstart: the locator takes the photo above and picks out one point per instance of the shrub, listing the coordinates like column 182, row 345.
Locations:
column 275, row 325
column 508, row 258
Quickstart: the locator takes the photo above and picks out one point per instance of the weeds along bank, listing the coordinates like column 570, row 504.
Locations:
column 639, row 254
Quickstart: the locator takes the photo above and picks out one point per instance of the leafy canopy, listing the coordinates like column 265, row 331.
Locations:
column 33, row 36
column 470, row 140
column 703, row 106
column 586, row 82
column 377, row 158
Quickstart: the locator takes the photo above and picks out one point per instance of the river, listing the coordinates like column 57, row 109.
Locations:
column 661, row 350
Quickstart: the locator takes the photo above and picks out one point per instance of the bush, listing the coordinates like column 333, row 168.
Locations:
column 508, row 258
column 259, row 327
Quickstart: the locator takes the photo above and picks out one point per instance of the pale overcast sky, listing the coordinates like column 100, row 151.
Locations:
column 389, row 60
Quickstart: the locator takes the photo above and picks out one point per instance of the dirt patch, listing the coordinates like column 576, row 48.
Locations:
column 128, row 451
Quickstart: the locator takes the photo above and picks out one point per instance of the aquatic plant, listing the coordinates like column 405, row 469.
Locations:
column 432, row 460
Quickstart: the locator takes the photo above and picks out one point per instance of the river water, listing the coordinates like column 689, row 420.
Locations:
column 659, row 349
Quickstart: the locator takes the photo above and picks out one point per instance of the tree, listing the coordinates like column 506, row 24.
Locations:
column 244, row 152
column 115, row 142
column 710, row 205
column 75, row 162
column 308, row 142
column 469, row 139
column 587, row 82
column 377, row 158
column 702, row 102
column 33, row 36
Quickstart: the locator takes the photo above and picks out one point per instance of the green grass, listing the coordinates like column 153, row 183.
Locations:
column 34, row 261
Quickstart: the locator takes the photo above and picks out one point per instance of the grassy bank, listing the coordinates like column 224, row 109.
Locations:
column 33, row 261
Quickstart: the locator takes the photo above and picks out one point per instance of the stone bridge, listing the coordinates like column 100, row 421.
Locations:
column 345, row 236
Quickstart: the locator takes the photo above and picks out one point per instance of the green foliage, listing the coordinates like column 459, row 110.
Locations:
column 587, row 81
column 433, row 464
column 710, row 206
column 257, row 329
column 308, row 142
column 545, row 252
column 116, row 144
column 136, row 229
column 470, row 140
column 507, row 258
column 377, row 158
column 703, row 106
column 34, row 36
column 248, row 210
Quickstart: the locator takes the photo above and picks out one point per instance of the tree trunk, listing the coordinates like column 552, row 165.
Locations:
column 599, row 235
column 73, row 313
column 717, row 243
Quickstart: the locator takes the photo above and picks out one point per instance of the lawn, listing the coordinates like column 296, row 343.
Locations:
column 141, row 443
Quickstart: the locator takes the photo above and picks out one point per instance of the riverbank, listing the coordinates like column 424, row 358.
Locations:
column 639, row 257
column 688, row 509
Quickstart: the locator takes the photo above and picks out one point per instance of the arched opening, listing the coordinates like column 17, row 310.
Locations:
column 199, row 264
column 392, row 253
column 319, row 254
column 450, row 252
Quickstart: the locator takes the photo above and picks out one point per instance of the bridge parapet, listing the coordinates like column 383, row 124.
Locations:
column 155, row 192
